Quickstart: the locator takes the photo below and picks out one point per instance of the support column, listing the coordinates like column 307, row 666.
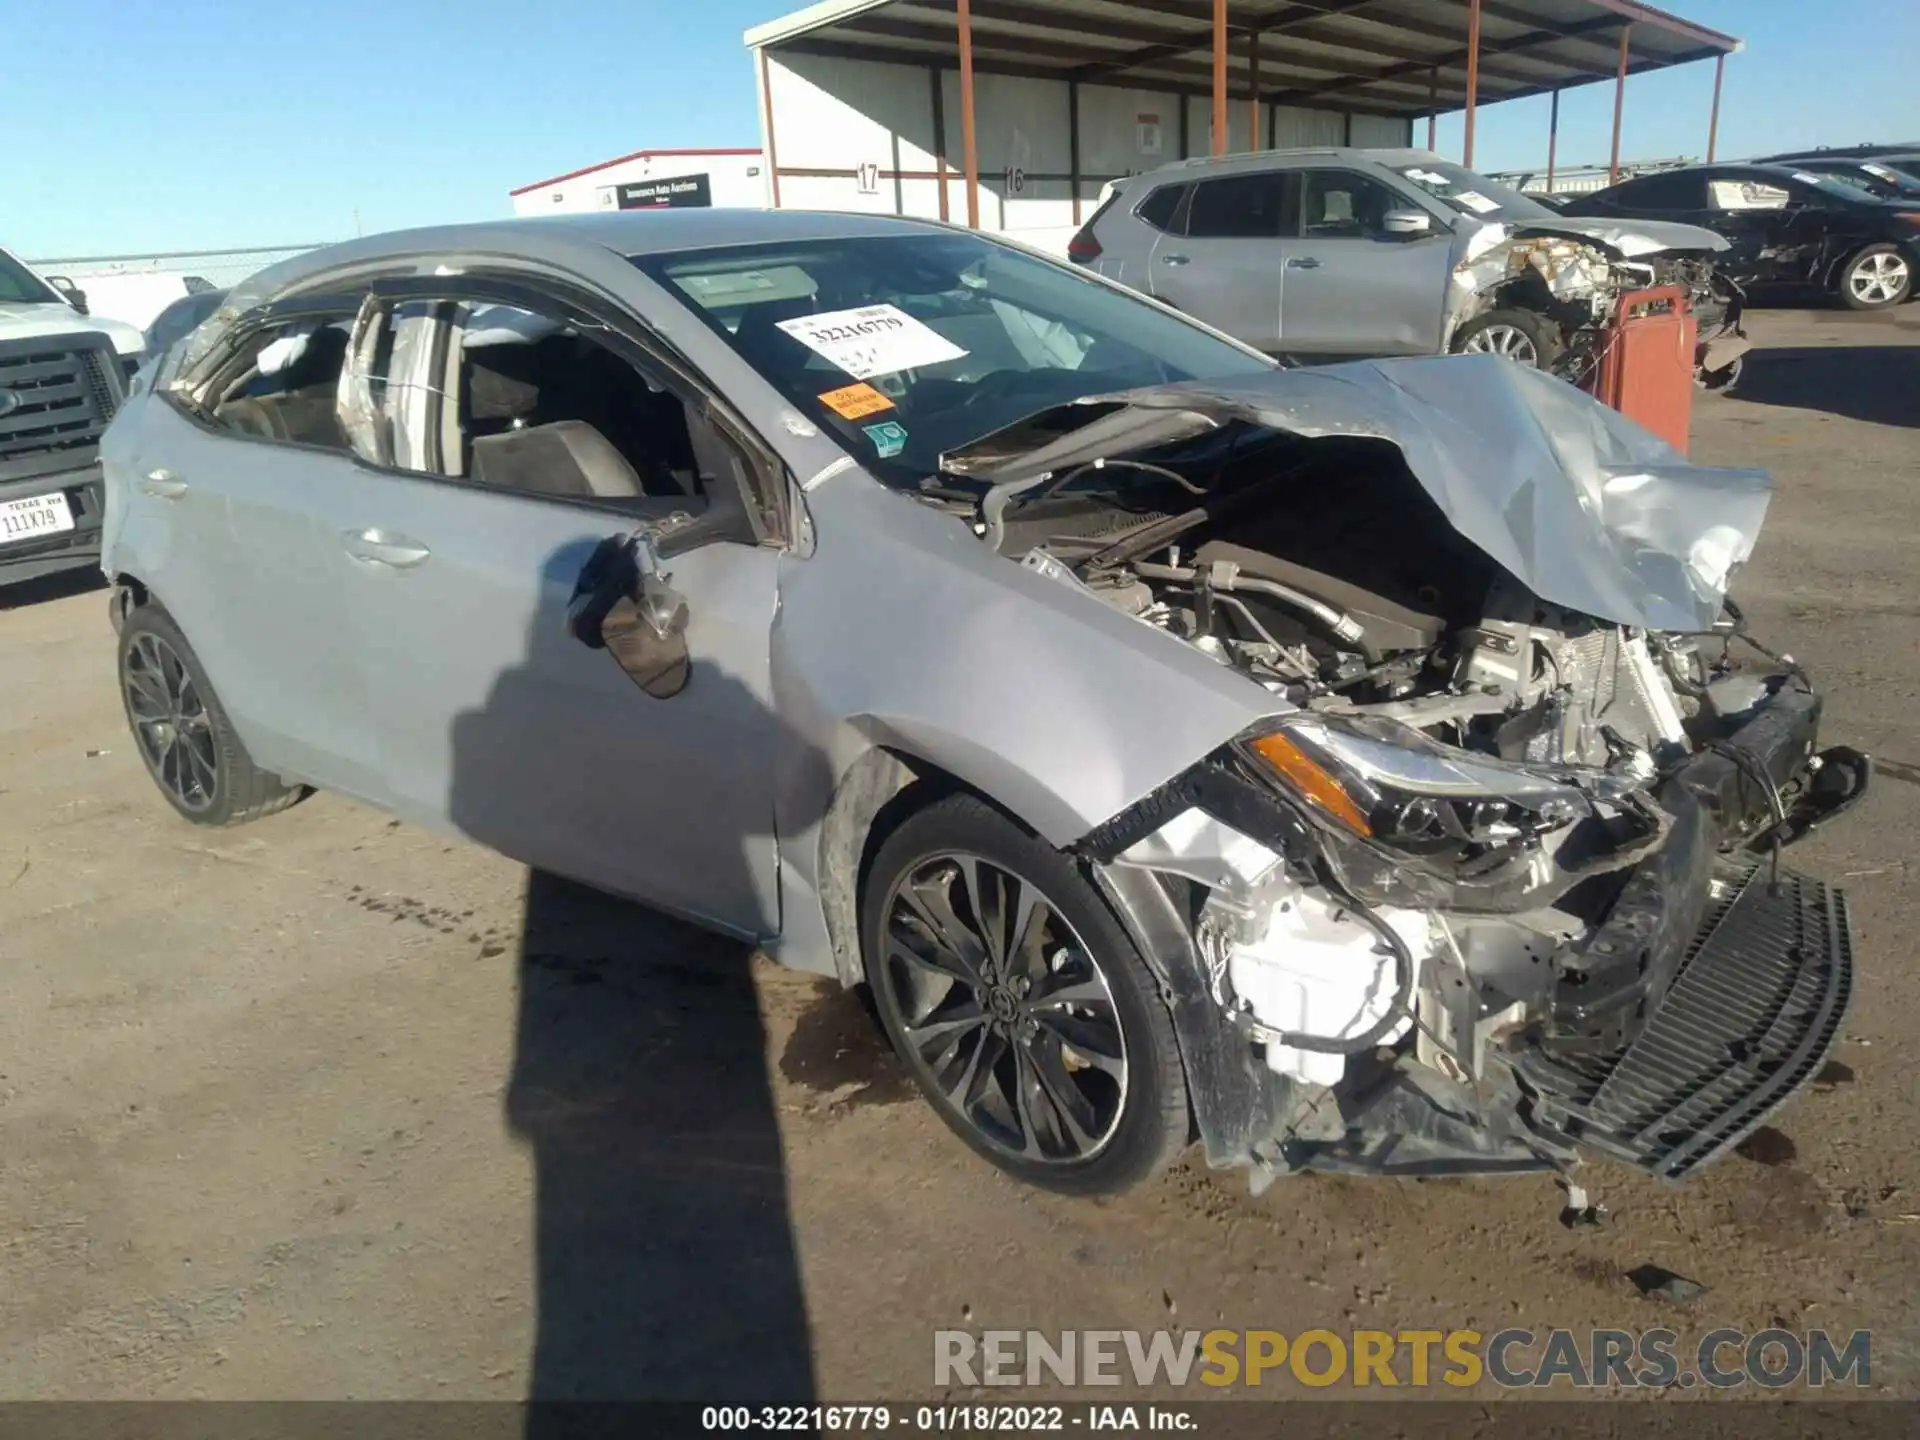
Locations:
column 1219, row 76
column 1553, row 137
column 1713, row 119
column 938, row 103
column 1253, row 90
column 1433, row 113
column 1073, row 144
column 1619, row 99
column 969, row 156
column 1473, row 77
column 773, row 157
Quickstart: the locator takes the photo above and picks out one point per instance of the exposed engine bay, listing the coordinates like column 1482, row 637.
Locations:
column 1479, row 844
column 1576, row 281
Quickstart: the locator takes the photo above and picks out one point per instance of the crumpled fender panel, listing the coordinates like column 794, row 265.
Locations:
column 1584, row 507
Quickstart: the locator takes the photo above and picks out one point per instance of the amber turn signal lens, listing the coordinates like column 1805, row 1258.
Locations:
column 1306, row 776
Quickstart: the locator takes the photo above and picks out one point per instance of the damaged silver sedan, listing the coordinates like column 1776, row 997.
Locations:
column 1360, row 768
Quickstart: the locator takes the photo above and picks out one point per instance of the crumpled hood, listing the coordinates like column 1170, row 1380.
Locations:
column 1584, row 507
column 22, row 321
column 1632, row 238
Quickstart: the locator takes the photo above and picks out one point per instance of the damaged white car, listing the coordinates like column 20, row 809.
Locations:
column 1337, row 252
column 1357, row 768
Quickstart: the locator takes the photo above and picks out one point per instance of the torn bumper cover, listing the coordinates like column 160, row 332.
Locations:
column 1706, row 995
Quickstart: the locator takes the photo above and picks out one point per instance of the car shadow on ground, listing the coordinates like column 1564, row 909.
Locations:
column 61, row 585
column 665, row 1266
column 1876, row 383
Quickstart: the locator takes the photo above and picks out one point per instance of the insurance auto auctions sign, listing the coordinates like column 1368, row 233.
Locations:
column 668, row 192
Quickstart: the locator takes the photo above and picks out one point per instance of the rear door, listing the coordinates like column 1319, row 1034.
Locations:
column 234, row 515
column 1352, row 288
column 1127, row 227
column 1220, row 261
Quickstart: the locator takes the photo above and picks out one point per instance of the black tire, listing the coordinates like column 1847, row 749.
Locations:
column 1859, row 292
column 182, row 732
column 1142, row 1113
column 1540, row 333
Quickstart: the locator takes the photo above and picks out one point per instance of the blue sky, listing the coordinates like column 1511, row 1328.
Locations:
column 214, row 123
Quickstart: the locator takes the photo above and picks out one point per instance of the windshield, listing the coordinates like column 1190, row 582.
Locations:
column 20, row 286
column 908, row 346
column 1832, row 185
column 1473, row 194
column 1900, row 178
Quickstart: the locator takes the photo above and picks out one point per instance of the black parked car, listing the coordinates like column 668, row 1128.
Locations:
column 1786, row 225
column 1885, row 177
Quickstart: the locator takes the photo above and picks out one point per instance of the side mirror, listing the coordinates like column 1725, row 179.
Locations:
column 70, row 292
column 624, row 604
column 1407, row 222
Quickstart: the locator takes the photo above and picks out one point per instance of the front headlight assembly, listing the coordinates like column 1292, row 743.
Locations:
column 1407, row 820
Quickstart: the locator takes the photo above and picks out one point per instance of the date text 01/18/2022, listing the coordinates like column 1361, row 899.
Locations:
column 946, row 1419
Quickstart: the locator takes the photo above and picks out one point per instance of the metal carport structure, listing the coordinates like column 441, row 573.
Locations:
column 1246, row 63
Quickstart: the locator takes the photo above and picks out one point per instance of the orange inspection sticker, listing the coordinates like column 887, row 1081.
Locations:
column 853, row 401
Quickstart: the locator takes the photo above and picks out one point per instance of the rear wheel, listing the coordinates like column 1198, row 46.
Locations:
column 1019, row 1004
column 1522, row 336
column 183, row 734
column 1878, row 278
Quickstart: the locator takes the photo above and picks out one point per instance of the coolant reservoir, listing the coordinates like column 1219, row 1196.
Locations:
column 1315, row 971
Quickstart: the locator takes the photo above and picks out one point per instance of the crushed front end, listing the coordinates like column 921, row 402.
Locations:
column 1576, row 282
column 1494, row 878
column 1440, row 960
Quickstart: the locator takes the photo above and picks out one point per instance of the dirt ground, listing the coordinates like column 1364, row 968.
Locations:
column 331, row 1107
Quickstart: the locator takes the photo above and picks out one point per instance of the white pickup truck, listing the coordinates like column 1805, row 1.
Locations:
column 63, row 374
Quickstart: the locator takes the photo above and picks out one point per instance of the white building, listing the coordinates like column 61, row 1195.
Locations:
column 861, row 108
column 863, row 104
column 651, row 179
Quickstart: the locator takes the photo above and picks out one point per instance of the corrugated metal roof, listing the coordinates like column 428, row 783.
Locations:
column 1389, row 57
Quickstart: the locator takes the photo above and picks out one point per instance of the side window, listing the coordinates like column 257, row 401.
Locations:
column 282, row 381
column 1341, row 204
column 1737, row 194
column 1678, row 191
column 1159, row 208
column 1244, row 207
column 536, row 406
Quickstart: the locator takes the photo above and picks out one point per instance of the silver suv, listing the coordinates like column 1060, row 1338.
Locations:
column 1386, row 252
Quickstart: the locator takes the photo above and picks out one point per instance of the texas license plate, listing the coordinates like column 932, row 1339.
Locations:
column 35, row 515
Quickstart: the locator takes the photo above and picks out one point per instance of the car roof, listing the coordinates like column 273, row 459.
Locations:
column 1262, row 159
column 1719, row 167
column 555, row 239
column 1845, row 152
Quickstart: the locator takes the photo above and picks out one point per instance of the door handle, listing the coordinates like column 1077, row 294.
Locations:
column 378, row 547
column 1173, row 259
column 1302, row 262
column 164, row 483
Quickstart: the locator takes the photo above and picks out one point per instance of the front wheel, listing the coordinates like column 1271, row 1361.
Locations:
column 1518, row 335
column 1021, row 1007
column 1878, row 278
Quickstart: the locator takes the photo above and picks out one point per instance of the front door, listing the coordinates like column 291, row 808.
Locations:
column 492, row 719
column 1770, row 230
column 1352, row 288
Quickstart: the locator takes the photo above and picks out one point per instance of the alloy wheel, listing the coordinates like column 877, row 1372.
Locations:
column 1004, row 1010
column 1508, row 341
column 170, row 721
column 1878, row 279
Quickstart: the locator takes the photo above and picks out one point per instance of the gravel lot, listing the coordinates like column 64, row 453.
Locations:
column 331, row 1107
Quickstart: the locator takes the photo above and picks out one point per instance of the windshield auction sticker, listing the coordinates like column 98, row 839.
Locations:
column 873, row 340
column 853, row 401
